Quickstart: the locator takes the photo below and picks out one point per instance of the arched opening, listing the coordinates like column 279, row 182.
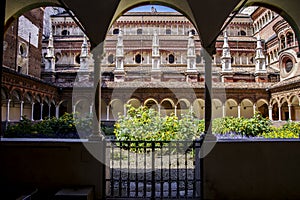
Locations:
column 231, row 107
column 285, row 112
column 199, row 108
column 295, row 108
column 263, row 108
column 116, row 109
column 82, row 108
column 15, row 106
column 116, row 31
column 166, row 107
column 217, row 109
column 247, row 110
column 63, row 108
column 138, row 58
column 151, row 104
column 171, row 58
column 183, row 107
column 275, row 112
column 134, row 102
column 46, row 108
column 4, row 103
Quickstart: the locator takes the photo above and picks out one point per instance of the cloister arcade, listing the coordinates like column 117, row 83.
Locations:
column 110, row 111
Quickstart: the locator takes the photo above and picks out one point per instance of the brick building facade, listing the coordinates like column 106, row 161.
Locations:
column 154, row 59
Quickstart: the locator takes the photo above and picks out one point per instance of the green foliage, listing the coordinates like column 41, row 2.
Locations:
column 246, row 127
column 144, row 124
column 63, row 127
column 280, row 133
column 288, row 131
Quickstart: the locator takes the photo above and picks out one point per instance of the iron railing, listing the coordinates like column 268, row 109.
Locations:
column 154, row 170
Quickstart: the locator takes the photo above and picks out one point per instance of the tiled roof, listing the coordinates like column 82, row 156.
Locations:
column 292, row 81
column 179, row 85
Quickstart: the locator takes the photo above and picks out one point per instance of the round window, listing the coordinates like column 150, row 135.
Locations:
column 289, row 65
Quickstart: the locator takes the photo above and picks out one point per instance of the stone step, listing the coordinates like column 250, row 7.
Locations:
column 80, row 193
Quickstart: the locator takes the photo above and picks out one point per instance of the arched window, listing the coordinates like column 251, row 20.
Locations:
column 193, row 32
column 57, row 57
column 198, row 59
column 282, row 42
column 116, row 31
column 65, row 32
column 138, row 58
column 242, row 33
column 168, row 32
column 110, row 58
column 171, row 58
column 139, row 31
column 77, row 59
column 23, row 50
column 290, row 38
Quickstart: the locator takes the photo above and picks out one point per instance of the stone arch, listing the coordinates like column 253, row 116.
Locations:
column 167, row 107
column 247, row 110
column 15, row 105
column 262, row 106
column 294, row 102
column 217, row 109
column 134, row 102
column 63, row 107
column 231, row 107
column 4, row 102
column 151, row 103
column 183, row 106
column 116, row 108
column 82, row 107
column 199, row 108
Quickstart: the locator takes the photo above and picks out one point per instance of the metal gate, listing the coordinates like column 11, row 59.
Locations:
column 154, row 170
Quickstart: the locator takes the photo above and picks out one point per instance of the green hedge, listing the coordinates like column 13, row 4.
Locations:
column 63, row 127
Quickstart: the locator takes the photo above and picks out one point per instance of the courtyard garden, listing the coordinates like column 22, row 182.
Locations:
column 144, row 124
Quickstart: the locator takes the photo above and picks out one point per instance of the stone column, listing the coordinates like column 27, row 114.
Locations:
column 42, row 106
column 74, row 109
column 223, row 110
column 57, row 111
column 8, row 110
column 91, row 110
column 21, row 109
column 279, row 111
column 254, row 109
column 107, row 113
column 32, row 111
column 290, row 112
column 159, row 110
column 271, row 113
column 125, row 110
column 175, row 110
column 239, row 111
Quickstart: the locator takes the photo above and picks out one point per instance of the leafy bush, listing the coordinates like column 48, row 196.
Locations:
column 144, row 124
column 245, row 127
column 280, row 133
column 63, row 127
